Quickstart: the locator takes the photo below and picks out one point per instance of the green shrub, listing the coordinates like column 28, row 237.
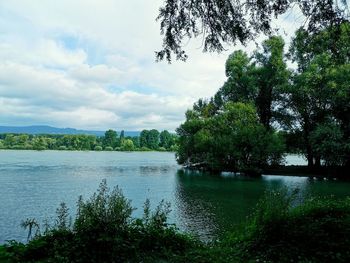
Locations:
column 279, row 230
column 98, row 148
column 104, row 231
column 108, row 148
column 18, row 147
column 62, row 148
column 145, row 149
column 316, row 231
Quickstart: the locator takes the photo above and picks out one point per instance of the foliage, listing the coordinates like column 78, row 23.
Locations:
column 104, row 231
column 110, row 139
column 231, row 140
column 153, row 140
column 98, row 148
column 328, row 143
column 127, row 145
column 319, row 94
column 228, row 22
column 280, row 229
column 308, row 106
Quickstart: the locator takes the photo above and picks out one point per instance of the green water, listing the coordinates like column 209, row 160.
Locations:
column 32, row 184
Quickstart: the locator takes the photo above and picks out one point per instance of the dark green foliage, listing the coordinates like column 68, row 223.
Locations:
column 310, row 106
column 260, row 79
column 104, row 231
column 153, row 139
column 166, row 139
column 147, row 140
column 232, row 140
column 281, row 229
column 110, row 139
column 319, row 94
column 328, row 143
column 316, row 231
column 227, row 22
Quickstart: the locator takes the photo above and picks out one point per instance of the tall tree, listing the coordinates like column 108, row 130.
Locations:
column 232, row 140
column 261, row 80
column 144, row 138
column 239, row 85
column 271, row 78
column 110, row 138
column 153, row 139
column 319, row 95
column 165, row 139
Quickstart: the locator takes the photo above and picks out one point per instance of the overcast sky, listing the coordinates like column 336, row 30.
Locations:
column 90, row 64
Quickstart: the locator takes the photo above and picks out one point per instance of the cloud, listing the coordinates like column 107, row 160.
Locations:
column 90, row 64
column 56, row 98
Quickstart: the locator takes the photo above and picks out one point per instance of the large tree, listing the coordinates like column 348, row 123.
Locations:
column 222, row 22
column 231, row 140
column 260, row 79
column 319, row 94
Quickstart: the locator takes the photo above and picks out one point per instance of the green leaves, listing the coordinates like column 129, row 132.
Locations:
column 227, row 22
column 233, row 139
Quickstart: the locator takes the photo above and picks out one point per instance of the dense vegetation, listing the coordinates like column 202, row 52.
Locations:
column 148, row 140
column 104, row 231
column 265, row 109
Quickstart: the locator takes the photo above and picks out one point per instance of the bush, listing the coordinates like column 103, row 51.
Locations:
column 98, row 148
column 104, row 231
column 279, row 230
column 145, row 149
column 108, row 148
column 62, row 148
column 316, row 231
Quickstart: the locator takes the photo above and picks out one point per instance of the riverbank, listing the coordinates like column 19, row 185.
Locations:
column 305, row 171
column 288, row 170
column 86, row 150
column 277, row 231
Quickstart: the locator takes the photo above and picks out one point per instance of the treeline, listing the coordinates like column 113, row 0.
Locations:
column 111, row 141
column 264, row 109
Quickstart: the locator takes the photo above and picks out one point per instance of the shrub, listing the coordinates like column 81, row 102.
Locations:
column 103, row 231
column 98, row 148
column 161, row 149
column 145, row 149
column 279, row 230
column 316, row 231
column 62, row 148
column 108, row 148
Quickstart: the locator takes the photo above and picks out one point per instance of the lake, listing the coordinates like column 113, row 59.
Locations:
column 33, row 184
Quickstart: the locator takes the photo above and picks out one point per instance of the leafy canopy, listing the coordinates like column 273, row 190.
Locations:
column 222, row 22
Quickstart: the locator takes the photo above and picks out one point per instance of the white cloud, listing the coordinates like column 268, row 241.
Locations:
column 91, row 64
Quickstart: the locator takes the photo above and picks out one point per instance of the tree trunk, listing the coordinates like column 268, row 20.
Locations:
column 309, row 154
column 318, row 161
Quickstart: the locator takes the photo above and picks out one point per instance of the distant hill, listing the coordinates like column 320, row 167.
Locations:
column 43, row 129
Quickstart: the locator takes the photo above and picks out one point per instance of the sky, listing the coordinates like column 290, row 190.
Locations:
column 90, row 64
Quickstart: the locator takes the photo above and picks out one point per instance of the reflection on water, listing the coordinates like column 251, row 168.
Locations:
column 210, row 205
column 32, row 184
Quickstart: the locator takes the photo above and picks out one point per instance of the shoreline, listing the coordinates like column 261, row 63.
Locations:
column 67, row 150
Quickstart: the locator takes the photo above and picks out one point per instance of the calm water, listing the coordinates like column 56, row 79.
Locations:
column 32, row 184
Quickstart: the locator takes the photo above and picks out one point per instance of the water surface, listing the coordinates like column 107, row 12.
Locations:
column 32, row 185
